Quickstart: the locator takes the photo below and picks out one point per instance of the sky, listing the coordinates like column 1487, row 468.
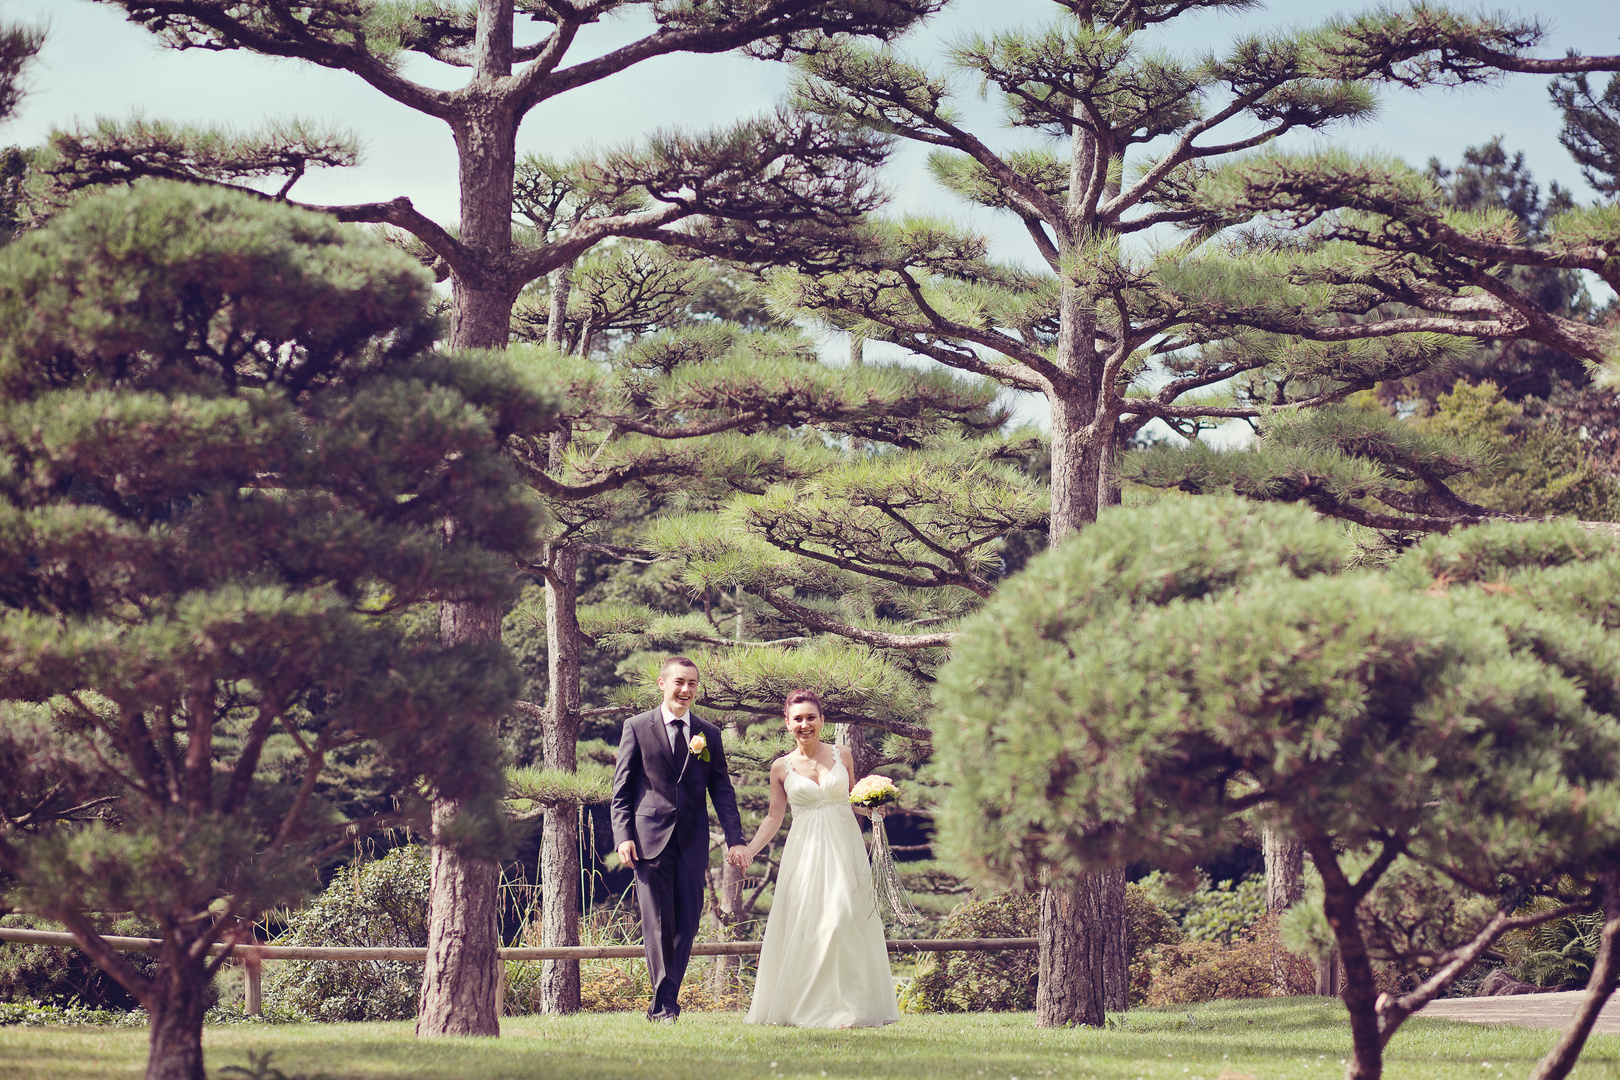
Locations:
column 97, row 64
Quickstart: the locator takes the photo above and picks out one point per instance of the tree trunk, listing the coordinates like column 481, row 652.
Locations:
column 1360, row 991
column 174, row 1042
column 1329, row 974
column 1083, row 956
column 1116, row 940
column 461, row 974
column 1605, row 970
column 461, row 978
column 1070, row 987
column 1285, row 870
column 862, row 751
column 1285, row 887
column 562, row 283
column 559, row 842
column 728, row 894
column 1076, row 466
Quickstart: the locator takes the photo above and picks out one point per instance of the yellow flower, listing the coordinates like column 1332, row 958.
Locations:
column 698, row 747
column 874, row 790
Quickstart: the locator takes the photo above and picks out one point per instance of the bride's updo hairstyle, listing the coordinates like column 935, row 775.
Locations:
column 801, row 697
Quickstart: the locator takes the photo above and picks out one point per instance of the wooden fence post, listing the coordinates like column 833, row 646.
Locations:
column 253, row 966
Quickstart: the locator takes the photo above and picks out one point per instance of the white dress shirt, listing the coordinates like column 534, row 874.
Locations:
column 669, row 725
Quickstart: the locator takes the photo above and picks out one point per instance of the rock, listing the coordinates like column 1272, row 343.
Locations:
column 1500, row 984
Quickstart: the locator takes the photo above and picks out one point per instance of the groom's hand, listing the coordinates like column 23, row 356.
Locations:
column 627, row 853
column 737, row 855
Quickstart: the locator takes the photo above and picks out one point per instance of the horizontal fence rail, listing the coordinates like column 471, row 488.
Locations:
column 253, row 956
column 560, row 952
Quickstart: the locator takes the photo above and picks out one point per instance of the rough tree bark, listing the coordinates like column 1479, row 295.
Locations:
column 728, row 894
column 861, row 750
column 1285, row 870
column 1083, row 965
column 1070, row 986
column 559, row 842
column 1285, row 884
column 1339, row 899
column 461, row 978
column 175, row 1039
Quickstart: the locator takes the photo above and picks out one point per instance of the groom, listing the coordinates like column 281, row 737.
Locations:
column 670, row 763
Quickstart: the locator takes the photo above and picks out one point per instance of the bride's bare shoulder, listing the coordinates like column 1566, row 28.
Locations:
column 779, row 767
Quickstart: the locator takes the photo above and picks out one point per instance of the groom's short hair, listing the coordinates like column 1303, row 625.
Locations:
column 675, row 661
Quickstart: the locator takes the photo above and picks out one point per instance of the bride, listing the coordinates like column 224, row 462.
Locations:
column 824, row 962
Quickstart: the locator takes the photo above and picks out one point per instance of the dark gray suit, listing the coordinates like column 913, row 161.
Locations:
column 663, row 805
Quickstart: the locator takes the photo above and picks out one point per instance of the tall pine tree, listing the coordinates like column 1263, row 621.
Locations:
column 772, row 175
column 227, row 464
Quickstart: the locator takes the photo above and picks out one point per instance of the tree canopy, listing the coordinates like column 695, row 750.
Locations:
column 1146, row 688
column 226, row 467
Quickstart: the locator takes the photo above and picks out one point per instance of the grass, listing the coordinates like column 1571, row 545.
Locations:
column 1296, row 1039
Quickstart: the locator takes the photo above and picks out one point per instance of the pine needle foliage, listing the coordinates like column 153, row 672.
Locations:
column 1147, row 688
column 224, row 468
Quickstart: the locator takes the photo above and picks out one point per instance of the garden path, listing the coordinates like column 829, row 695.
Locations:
column 1526, row 1010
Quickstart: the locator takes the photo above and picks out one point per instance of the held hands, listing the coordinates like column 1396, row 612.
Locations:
column 737, row 855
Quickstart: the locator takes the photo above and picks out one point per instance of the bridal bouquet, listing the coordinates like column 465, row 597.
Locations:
column 874, row 791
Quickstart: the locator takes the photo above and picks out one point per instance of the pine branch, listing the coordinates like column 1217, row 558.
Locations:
column 881, row 639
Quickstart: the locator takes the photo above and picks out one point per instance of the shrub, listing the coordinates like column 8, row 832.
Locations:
column 1254, row 965
column 383, row 903
column 1005, row 981
column 981, row 982
column 1211, row 912
column 50, row 974
column 1149, row 927
column 1560, row 953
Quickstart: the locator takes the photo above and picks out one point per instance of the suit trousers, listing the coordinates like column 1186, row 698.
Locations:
column 670, row 896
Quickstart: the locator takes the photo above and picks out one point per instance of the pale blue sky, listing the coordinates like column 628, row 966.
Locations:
column 97, row 64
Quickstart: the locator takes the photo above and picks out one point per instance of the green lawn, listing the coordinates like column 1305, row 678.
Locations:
column 1301, row 1039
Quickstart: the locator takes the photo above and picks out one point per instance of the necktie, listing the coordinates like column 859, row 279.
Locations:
column 680, row 742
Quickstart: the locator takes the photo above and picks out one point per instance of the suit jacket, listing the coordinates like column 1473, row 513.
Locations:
column 656, row 798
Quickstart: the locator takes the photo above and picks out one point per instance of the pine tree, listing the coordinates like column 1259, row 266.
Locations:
column 228, row 464
column 1112, row 336
column 767, row 185
column 1189, row 669
column 18, row 46
column 664, row 411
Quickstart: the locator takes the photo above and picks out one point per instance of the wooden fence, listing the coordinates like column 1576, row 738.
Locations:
column 253, row 956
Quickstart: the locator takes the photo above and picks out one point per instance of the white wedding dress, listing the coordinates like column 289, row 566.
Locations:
column 824, row 962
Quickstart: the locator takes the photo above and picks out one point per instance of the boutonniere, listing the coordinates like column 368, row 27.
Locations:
column 698, row 747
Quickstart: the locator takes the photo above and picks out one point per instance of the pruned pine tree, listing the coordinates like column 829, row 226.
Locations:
column 18, row 46
column 1195, row 668
column 227, row 465
column 1102, row 329
column 1591, row 129
column 1488, row 179
column 1349, row 235
column 767, row 178
column 1401, row 476
column 849, row 580
column 674, row 412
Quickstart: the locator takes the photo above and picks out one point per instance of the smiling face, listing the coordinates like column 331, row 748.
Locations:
column 679, row 684
column 804, row 722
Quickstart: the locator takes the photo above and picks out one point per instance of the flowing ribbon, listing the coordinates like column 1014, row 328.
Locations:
column 886, row 876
